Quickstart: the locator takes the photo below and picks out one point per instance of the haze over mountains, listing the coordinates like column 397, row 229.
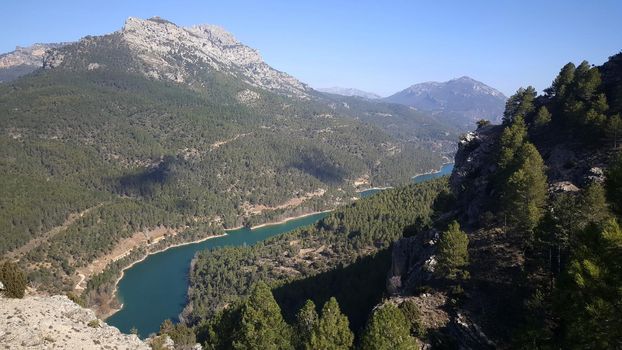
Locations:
column 181, row 54
column 349, row 92
column 462, row 100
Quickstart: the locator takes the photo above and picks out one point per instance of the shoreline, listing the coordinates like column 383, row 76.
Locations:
column 412, row 177
column 432, row 171
column 287, row 219
column 271, row 223
column 116, row 283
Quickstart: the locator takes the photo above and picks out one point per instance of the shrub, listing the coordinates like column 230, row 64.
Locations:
column 13, row 279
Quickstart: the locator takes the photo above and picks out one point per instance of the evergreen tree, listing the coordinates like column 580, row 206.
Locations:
column 453, row 254
column 543, row 117
column 510, row 142
column 14, row 280
column 262, row 325
column 560, row 85
column 411, row 312
column 306, row 321
column 525, row 192
column 332, row 332
column 591, row 292
column 613, row 184
column 614, row 129
column 521, row 104
column 387, row 329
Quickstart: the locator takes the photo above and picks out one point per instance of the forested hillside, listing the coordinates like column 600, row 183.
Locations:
column 346, row 251
column 103, row 150
column 532, row 260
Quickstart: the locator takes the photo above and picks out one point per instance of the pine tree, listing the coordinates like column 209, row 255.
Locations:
column 543, row 117
column 525, row 191
column 510, row 142
column 591, row 292
column 306, row 320
column 332, row 331
column 262, row 325
column 521, row 104
column 13, row 279
column 387, row 329
column 453, row 254
column 560, row 85
column 613, row 184
column 614, row 129
column 411, row 312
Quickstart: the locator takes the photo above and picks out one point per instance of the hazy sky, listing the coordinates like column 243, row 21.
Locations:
column 379, row 46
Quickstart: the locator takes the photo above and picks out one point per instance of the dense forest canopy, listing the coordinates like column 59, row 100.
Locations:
column 128, row 154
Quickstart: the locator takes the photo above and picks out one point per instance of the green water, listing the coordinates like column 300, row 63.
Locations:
column 155, row 289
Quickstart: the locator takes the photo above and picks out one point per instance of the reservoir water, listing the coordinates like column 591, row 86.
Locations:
column 155, row 288
column 445, row 170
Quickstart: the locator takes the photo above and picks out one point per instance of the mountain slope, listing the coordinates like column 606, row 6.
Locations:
column 162, row 50
column 462, row 100
column 160, row 134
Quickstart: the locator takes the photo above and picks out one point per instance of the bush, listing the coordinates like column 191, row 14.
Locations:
column 14, row 280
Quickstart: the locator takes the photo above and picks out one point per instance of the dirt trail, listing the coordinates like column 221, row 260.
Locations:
column 121, row 250
column 34, row 243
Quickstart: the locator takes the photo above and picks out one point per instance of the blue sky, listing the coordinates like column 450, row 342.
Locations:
column 379, row 46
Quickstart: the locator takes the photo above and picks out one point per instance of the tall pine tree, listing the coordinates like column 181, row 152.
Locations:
column 262, row 325
column 332, row 332
column 387, row 329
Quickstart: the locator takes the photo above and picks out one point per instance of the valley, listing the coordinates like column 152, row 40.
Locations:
column 163, row 186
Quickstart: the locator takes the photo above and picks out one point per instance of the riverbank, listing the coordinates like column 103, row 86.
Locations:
column 290, row 218
column 433, row 171
column 113, row 310
column 116, row 283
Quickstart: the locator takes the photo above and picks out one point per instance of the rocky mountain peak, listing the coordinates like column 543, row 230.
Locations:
column 163, row 50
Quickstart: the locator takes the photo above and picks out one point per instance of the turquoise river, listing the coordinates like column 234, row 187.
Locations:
column 155, row 288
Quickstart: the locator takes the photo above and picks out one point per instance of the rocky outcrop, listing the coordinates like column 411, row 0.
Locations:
column 413, row 262
column 23, row 60
column 57, row 323
column 162, row 50
column 473, row 167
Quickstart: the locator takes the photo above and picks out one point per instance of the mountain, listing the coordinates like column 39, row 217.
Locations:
column 462, row 100
column 23, row 60
column 349, row 92
column 129, row 142
column 161, row 50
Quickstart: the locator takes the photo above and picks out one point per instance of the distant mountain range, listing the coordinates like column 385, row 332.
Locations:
column 460, row 101
column 184, row 54
column 349, row 92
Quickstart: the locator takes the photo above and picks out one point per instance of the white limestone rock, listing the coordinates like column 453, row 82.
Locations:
column 57, row 323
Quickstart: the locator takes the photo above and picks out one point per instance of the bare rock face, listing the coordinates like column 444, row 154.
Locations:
column 162, row 50
column 412, row 262
column 57, row 323
column 474, row 163
column 23, row 60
